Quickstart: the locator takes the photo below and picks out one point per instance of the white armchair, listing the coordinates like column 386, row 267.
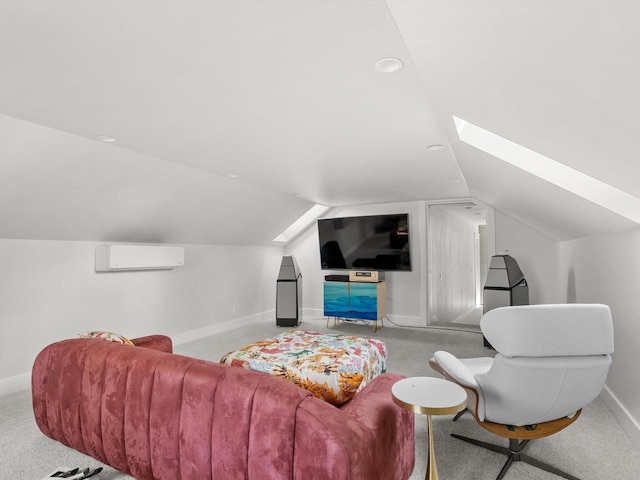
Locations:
column 551, row 361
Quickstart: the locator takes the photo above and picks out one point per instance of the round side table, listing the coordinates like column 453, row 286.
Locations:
column 429, row 396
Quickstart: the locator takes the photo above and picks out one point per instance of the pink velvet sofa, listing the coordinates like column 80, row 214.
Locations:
column 156, row 415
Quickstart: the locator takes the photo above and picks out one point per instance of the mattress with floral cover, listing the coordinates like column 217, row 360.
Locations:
column 332, row 367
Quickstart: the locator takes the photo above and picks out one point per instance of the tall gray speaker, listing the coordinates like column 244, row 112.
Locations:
column 505, row 285
column 289, row 293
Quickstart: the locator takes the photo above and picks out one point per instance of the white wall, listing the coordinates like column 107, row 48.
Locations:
column 536, row 254
column 606, row 269
column 50, row 291
column 596, row 269
column 406, row 291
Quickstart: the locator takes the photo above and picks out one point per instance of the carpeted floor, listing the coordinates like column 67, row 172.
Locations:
column 594, row 448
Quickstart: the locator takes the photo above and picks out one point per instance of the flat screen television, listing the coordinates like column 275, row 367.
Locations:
column 371, row 242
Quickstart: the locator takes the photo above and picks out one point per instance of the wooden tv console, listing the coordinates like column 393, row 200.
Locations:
column 355, row 301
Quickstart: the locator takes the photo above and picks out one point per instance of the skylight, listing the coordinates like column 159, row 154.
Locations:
column 572, row 180
column 300, row 224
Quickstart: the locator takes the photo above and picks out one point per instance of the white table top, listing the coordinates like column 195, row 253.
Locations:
column 429, row 395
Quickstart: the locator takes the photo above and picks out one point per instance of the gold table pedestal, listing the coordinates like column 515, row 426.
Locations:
column 429, row 396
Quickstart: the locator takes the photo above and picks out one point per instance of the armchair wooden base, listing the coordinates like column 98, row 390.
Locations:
column 518, row 436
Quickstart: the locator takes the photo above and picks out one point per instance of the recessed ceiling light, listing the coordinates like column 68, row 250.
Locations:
column 436, row 146
column 389, row 65
column 233, row 175
column 107, row 139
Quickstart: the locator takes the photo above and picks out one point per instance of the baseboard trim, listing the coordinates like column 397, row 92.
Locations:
column 15, row 384
column 405, row 321
column 23, row 382
column 209, row 330
column 629, row 424
column 312, row 315
column 316, row 314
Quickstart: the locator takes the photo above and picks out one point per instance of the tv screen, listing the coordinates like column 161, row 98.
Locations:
column 372, row 242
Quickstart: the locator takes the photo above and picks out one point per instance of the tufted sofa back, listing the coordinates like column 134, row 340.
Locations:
column 156, row 415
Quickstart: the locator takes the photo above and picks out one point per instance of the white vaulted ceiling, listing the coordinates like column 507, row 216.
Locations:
column 284, row 94
column 555, row 77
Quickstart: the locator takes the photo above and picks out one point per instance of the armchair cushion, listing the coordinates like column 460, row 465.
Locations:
column 456, row 369
column 549, row 330
column 526, row 390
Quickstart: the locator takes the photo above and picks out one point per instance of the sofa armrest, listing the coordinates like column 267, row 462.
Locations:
column 368, row 437
column 161, row 343
column 372, row 402
column 374, row 408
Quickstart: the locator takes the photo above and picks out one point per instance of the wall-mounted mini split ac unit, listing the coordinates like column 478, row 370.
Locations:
column 117, row 258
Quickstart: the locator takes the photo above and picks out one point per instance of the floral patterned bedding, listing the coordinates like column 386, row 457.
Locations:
column 332, row 367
